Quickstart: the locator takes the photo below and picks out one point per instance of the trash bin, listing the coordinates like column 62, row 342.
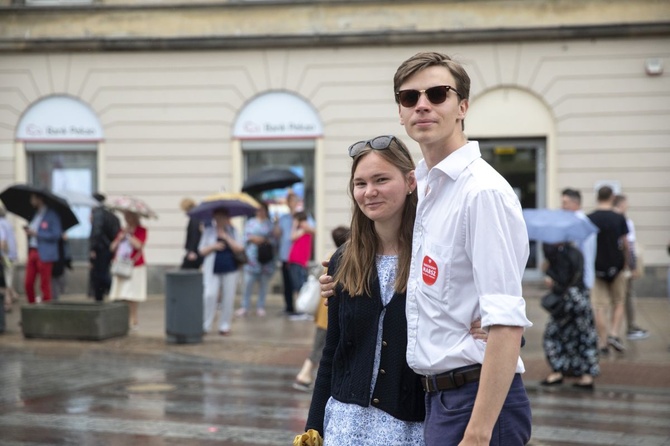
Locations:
column 183, row 306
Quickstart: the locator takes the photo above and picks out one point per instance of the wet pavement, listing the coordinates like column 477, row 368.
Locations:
column 236, row 390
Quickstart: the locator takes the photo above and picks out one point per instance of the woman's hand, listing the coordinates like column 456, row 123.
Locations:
column 477, row 332
column 327, row 285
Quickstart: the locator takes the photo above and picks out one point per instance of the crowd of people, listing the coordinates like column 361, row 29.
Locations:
column 215, row 247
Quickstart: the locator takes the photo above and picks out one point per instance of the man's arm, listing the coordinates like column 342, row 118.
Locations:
column 500, row 360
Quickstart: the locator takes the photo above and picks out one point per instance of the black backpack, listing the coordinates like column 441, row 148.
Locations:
column 111, row 225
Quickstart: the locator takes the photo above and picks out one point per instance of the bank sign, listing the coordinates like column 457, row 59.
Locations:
column 277, row 115
column 59, row 118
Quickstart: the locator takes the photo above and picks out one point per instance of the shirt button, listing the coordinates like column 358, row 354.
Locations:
column 375, row 401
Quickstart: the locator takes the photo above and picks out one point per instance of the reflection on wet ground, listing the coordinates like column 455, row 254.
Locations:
column 236, row 390
column 110, row 399
column 121, row 400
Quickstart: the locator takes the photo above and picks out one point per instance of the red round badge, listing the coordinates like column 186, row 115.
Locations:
column 429, row 270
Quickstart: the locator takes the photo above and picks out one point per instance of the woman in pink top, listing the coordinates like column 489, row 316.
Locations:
column 301, row 250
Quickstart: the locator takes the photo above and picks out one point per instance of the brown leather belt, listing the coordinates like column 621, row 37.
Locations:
column 451, row 380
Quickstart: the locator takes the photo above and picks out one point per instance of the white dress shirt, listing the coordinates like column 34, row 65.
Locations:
column 588, row 249
column 469, row 251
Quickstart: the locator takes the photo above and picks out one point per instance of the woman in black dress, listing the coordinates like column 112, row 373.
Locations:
column 570, row 340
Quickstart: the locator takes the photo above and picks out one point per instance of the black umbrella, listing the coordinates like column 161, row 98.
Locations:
column 16, row 199
column 270, row 178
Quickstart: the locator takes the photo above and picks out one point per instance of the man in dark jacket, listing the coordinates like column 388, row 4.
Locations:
column 104, row 227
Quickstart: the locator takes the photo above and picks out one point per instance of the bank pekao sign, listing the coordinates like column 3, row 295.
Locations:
column 59, row 118
column 277, row 115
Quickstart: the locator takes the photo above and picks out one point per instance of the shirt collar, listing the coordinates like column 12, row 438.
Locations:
column 454, row 164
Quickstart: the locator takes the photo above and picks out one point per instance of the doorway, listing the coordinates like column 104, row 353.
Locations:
column 522, row 162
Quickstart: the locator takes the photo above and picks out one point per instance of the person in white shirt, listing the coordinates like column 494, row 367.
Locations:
column 470, row 248
column 634, row 331
column 571, row 200
column 9, row 256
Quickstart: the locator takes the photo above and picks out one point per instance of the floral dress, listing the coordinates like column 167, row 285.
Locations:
column 351, row 424
column 263, row 228
column 570, row 341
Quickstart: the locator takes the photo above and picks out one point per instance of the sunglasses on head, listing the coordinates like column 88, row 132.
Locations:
column 436, row 95
column 379, row 143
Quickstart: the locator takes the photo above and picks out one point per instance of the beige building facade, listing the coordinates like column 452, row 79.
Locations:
column 167, row 100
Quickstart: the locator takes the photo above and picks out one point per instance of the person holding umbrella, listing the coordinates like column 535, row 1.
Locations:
column 129, row 245
column 218, row 245
column 43, row 232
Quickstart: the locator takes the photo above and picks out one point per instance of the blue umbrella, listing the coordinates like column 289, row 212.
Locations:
column 557, row 225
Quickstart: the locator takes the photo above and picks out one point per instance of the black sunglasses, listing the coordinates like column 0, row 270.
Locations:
column 379, row 143
column 436, row 95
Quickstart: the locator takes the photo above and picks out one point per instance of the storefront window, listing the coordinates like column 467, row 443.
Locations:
column 297, row 156
column 67, row 167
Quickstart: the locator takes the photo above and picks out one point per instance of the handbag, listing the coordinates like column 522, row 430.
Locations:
column 266, row 253
column 241, row 258
column 554, row 304
column 309, row 296
column 123, row 267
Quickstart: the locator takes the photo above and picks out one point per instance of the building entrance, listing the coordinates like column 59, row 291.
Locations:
column 523, row 164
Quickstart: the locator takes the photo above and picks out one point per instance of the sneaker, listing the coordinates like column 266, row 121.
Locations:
column 637, row 334
column 616, row 344
column 260, row 312
column 300, row 317
column 241, row 312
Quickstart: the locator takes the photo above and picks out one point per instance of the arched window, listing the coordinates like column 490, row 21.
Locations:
column 61, row 135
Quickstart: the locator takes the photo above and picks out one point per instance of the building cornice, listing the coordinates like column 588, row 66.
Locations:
column 230, row 25
column 334, row 40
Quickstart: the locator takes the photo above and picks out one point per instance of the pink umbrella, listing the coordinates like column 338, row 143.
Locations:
column 134, row 205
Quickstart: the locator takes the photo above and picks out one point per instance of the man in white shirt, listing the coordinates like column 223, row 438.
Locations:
column 470, row 248
column 571, row 200
column 634, row 331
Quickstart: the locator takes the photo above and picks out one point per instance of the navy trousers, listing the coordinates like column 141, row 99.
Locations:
column 448, row 413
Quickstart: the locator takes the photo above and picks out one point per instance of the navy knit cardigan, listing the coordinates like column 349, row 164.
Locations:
column 346, row 367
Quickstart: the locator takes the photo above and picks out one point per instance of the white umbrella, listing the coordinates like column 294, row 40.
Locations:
column 76, row 198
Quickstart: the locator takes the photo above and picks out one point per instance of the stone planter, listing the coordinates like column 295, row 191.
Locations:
column 74, row 320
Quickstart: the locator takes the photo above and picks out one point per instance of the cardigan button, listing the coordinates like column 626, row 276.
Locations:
column 384, row 344
column 382, row 372
column 375, row 401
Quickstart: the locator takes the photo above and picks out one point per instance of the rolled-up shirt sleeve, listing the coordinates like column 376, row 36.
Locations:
column 496, row 230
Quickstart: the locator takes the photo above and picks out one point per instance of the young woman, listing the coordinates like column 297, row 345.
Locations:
column 570, row 340
column 257, row 231
column 218, row 244
column 129, row 244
